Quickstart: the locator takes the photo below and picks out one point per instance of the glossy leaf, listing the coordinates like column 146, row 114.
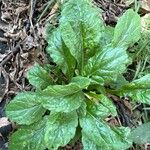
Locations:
column 62, row 98
column 106, row 65
column 100, row 106
column 121, row 81
column 127, row 30
column 29, row 137
column 80, row 29
column 98, row 135
column 141, row 134
column 83, row 82
column 25, row 108
column 39, row 77
column 61, row 54
column 107, row 36
column 138, row 90
column 82, row 109
column 60, row 129
column 89, row 144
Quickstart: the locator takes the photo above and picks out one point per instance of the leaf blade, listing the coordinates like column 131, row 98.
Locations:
column 103, row 106
column 106, row 65
column 60, row 129
column 141, row 134
column 128, row 23
column 29, row 137
column 103, row 136
column 62, row 98
column 81, row 81
column 80, row 29
column 25, row 108
column 61, row 54
column 39, row 77
column 138, row 90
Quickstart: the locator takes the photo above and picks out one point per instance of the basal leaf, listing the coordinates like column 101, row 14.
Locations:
column 39, row 77
column 107, row 36
column 127, row 30
column 25, row 108
column 61, row 128
column 88, row 144
column 141, row 134
column 100, row 106
column 81, row 28
column 83, row 82
column 138, row 90
column 62, row 98
column 99, row 135
column 29, row 137
column 82, row 109
column 142, row 83
column 106, row 65
column 121, row 81
column 61, row 54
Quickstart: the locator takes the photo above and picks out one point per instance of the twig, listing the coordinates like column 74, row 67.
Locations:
column 3, row 39
column 9, row 56
column 46, row 8
column 6, row 76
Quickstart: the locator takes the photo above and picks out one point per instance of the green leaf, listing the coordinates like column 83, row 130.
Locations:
column 121, row 81
column 88, row 144
column 138, row 90
column 98, row 135
column 61, row 54
column 53, row 131
column 83, row 82
column 100, row 106
column 127, row 30
column 142, row 83
column 60, row 129
column 29, row 137
column 62, row 98
column 81, row 28
column 82, row 109
column 107, row 36
column 25, row 108
column 141, row 134
column 106, row 65
column 39, row 77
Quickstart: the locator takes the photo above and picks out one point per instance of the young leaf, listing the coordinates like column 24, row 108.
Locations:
column 89, row 144
column 39, row 77
column 60, row 54
column 25, row 108
column 62, row 98
column 121, row 81
column 106, row 65
column 82, row 109
column 103, row 107
column 103, row 137
column 107, row 36
column 83, row 82
column 141, row 134
column 60, row 129
column 29, row 137
column 138, row 90
column 81, row 28
column 127, row 30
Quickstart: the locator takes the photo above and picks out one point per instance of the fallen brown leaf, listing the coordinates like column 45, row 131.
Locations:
column 4, row 122
column 145, row 4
